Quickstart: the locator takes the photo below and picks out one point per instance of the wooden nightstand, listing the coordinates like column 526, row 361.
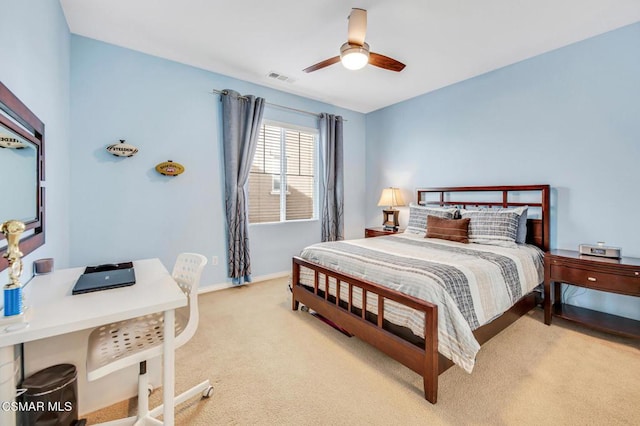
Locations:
column 378, row 231
column 620, row 276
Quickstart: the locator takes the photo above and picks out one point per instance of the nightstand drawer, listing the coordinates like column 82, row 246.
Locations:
column 617, row 283
column 369, row 233
column 379, row 231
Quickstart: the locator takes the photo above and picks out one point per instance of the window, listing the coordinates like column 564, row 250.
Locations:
column 275, row 185
column 285, row 158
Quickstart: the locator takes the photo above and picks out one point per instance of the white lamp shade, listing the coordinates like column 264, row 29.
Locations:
column 391, row 197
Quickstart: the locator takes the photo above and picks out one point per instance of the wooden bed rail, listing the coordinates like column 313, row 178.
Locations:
column 423, row 361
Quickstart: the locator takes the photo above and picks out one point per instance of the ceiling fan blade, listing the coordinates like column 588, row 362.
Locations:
column 385, row 62
column 357, row 26
column 322, row 64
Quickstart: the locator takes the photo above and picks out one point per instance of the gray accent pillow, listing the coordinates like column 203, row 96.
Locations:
column 418, row 217
column 498, row 227
column 522, row 224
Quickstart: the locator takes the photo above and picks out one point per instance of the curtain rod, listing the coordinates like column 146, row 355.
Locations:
column 223, row 92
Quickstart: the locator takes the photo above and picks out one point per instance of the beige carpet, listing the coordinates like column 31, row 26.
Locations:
column 272, row 366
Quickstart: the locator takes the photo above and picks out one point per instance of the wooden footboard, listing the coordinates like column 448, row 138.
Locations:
column 426, row 360
column 423, row 361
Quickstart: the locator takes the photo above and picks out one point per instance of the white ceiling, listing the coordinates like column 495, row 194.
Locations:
column 441, row 41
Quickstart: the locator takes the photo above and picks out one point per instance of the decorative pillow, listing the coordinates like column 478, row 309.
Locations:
column 448, row 229
column 494, row 227
column 418, row 217
column 522, row 223
column 521, row 236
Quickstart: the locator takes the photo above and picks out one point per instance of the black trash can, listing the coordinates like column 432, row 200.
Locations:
column 49, row 397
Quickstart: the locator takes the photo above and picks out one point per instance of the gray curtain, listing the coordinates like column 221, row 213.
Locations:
column 331, row 184
column 241, row 120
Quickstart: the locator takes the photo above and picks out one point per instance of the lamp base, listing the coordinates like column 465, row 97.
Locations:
column 390, row 219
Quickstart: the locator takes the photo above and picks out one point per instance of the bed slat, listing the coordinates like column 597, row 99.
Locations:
column 364, row 304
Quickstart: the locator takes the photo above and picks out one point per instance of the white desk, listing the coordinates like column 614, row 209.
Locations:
column 55, row 311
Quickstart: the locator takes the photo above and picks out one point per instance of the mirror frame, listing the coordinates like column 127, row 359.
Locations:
column 32, row 129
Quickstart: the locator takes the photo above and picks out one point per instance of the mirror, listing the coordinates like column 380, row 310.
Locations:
column 18, row 162
column 21, row 171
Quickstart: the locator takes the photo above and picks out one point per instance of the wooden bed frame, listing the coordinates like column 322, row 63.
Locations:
column 424, row 359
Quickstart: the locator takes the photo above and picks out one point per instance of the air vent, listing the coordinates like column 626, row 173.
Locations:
column 280, row 77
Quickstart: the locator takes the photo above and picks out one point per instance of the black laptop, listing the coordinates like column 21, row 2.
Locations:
column 105, row 277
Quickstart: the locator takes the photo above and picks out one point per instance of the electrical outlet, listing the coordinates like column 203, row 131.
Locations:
column 214, row 260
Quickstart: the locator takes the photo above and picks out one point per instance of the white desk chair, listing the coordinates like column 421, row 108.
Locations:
column 116, row 346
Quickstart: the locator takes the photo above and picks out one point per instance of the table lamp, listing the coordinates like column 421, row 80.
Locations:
column 390, row 197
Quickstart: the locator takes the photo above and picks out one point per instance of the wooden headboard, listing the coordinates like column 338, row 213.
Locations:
column 497, row 196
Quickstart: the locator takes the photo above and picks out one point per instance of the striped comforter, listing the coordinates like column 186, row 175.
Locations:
column 471, row 283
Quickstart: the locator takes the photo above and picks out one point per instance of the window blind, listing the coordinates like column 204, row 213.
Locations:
column 282, row 181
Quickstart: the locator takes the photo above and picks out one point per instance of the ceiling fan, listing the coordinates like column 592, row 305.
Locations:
column 355, row 54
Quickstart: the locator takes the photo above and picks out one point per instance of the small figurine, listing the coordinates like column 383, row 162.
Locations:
column 12, row 229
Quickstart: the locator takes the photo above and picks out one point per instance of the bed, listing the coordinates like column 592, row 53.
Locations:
column 430, row 303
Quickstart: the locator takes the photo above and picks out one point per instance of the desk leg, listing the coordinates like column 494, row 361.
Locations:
column 168, row 373
column 7, row 386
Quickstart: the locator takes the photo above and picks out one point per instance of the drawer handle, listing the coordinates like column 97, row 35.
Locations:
column 592, row 279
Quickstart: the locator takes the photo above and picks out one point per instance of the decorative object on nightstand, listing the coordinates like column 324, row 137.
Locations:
column 390, row 197
column 599, row 249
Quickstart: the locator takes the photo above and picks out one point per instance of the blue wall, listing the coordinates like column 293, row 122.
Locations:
column 34, row 65
column 557, row 118
column 122, row 209
column 569, row 118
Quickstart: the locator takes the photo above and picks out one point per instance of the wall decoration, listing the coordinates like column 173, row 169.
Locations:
column 169, row 168
column 11, row 141
column 122, row 149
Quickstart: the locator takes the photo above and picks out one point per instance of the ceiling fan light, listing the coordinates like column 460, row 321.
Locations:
column 354, row 57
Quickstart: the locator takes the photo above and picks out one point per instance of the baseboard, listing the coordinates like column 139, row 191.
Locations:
column 225, row 285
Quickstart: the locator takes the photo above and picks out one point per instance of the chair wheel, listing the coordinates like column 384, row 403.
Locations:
column 207, row 392
column 304, row 308
column 150, row 389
